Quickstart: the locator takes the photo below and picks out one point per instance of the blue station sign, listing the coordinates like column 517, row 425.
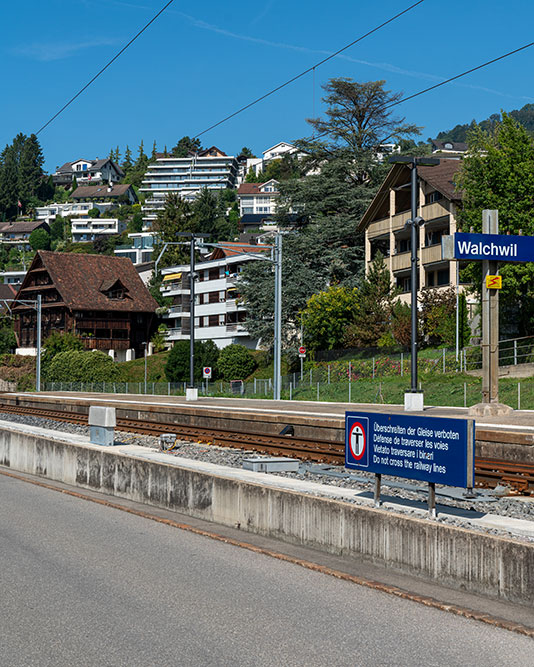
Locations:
column 429, row 449
column 494, row 247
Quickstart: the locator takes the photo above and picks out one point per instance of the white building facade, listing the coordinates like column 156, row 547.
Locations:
column 211, row 169
column 258, row 198
column 88, row 229
column 139, row 250
column 51, row 211
column 219, row 314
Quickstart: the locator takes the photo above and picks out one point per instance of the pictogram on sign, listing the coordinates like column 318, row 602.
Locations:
column 359, row 452
column 493, row 282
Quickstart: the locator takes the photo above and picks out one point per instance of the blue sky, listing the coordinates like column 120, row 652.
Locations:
column 201, row 61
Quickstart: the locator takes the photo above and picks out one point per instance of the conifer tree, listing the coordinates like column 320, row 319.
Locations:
column 127, row 164
column 154, row 150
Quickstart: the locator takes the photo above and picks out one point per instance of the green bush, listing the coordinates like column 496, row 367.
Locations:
column 79, row 366
column 177, row 366
column 236, row 362
column 59, row 342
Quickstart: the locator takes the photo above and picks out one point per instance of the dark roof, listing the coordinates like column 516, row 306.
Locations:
column 98, row 164
column 101, row 191
column 232, row 249
column 6, row 292
column 440, row 177
column 67, row 167
column 80, row 279
column 455, row 146
column 249, row 188
column 23, row 226
column 207, row 152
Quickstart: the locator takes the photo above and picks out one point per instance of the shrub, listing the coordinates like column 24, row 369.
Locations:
column 79, row 366
column 55, row 343
column 236, row 362
column 177, row 366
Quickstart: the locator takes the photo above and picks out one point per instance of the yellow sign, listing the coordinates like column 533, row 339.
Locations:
column 494, row 282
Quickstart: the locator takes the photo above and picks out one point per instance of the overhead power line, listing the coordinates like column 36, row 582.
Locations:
column 306, row 71
column 459, row 76
column 117, row 55
column 442, row 83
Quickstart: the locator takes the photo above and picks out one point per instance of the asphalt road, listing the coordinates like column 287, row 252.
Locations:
column 83, row 584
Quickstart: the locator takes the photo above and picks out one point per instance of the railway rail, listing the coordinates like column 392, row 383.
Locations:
column 488, row 472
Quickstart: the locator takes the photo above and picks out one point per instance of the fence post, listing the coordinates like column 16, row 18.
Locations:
column 350, row 383
column 328, row 373
column 515, row 353
column 465, row 360
column 254, row 385
column 290, row 391
column 443, row 361
column 310, row 377
column 465, row 394
column 402, row 364
column 317, row 391
column 518, row 395
column 373, row 368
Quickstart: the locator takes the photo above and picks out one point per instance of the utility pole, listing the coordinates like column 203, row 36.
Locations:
column 413, row 398
column 192, row 314
column 277, row 316
column 38, row 361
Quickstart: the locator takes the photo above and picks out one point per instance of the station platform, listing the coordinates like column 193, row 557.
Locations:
column 521, row 420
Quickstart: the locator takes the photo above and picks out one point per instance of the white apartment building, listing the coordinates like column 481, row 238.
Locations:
column 139, row 250
column 219, row 316
column 187, row 176
column 51, row 211
column 258, row 198
column 88, row 229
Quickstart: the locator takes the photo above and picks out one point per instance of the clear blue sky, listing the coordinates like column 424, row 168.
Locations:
column 200, row 61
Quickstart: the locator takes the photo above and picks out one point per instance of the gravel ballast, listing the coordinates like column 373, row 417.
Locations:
column 415, row 499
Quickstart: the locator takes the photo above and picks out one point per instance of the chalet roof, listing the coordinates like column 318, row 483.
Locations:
column 22, row 226
column 80, row 278
column 96, row 165
column 440, row 177
column 212, row 151
column 6, row 292
column 100, row 191
column 254, row 188
column 67, row 167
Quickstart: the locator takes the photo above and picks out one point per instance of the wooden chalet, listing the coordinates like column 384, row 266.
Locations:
column 102, row 299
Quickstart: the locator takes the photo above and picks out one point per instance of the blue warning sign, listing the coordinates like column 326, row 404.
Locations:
column 430, row 449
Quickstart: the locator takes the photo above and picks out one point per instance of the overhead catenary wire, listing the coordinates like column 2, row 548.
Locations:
column 110, row 62
column 449, row 80
column 306, row 71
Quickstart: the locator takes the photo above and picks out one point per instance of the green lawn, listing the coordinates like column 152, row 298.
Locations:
column 438, row 390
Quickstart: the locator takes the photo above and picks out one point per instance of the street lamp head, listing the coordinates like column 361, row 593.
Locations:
column 193, row 235
column 410, row 159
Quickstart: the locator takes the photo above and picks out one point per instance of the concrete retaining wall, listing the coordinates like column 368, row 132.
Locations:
column 492, row 566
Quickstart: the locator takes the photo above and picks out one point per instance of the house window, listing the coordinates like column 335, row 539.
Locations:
column 432, row 197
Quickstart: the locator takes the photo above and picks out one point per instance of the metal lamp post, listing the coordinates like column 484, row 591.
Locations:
column 413, row 398
column 191, row 391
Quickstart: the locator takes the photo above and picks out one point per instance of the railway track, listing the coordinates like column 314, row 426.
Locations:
column 488, row 472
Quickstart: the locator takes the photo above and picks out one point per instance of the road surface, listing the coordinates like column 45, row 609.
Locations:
column 84, row 584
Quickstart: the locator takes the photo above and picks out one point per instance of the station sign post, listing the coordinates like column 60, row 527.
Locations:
column 206, row 374
column 436, row 450
column 490, row 248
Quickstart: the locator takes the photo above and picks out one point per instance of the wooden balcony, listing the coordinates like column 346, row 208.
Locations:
column 106, row 343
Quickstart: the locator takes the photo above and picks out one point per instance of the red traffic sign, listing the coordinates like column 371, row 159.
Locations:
column 206, row 372
column 302, row 350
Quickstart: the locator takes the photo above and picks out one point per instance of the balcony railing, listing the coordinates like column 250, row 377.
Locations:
column 401, row 261
column 431, row 254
